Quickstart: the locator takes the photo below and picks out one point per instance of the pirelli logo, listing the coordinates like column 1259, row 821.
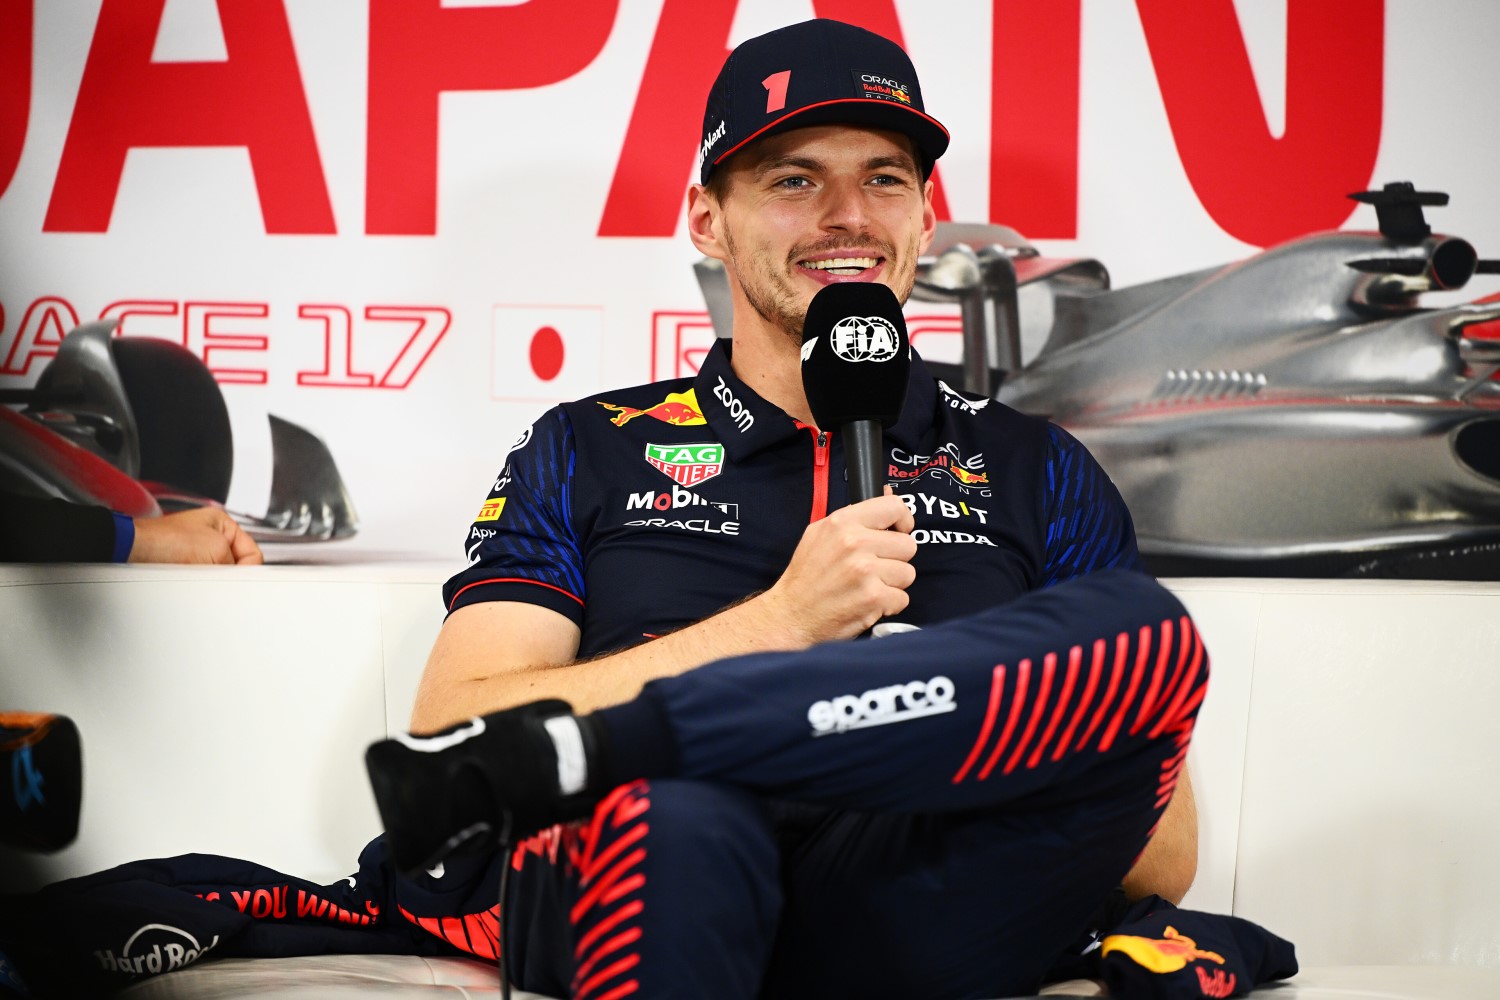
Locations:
column 491, row 510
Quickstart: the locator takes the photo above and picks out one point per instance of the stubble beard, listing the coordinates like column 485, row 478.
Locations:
column 774, row 298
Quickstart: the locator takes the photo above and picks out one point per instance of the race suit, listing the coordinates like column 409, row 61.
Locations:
column 637, row 512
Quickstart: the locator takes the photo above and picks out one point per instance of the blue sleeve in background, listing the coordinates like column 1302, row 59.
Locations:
column 124, row 537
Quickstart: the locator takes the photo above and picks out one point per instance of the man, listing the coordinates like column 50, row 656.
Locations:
column 638, row 536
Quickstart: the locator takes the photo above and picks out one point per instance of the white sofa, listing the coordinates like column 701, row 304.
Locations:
column 1343, row 760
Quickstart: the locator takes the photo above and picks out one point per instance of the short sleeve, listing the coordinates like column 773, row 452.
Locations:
column 521, row 545
column 1088, row 526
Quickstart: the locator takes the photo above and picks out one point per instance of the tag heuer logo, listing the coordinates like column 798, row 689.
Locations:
column 687, row 464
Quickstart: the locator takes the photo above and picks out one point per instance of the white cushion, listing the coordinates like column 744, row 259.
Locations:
column 394, row 977
column 327, row 977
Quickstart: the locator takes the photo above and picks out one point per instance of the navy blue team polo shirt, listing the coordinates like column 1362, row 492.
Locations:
column 637, row 512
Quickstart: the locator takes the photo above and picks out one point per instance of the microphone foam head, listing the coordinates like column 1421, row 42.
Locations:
column 856, row 357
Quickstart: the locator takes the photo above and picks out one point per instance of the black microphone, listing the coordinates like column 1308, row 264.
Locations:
column 856, row 360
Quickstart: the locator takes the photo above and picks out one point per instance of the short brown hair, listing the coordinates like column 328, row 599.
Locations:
column 717, row 185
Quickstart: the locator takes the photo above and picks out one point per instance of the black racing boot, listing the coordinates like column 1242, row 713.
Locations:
column 488, row 781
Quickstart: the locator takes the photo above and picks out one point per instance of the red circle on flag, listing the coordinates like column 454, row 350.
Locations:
column 546, row 353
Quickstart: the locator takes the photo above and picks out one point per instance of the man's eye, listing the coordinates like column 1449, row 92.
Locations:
column 887, row 180
column 793, row 183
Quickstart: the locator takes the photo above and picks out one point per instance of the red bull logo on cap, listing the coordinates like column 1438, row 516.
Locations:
column 884, row 88
column 679, row 409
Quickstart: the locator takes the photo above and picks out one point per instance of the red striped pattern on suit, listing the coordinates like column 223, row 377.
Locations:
column 476, row 933
column 609, row 886
column 1160, row 683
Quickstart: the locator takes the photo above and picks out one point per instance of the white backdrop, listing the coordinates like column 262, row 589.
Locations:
column 410, row 225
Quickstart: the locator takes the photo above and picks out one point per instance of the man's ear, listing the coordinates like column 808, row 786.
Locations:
column 704, row 226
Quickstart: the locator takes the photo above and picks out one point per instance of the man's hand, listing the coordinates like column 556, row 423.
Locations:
column 850, row 570
column 203, row 535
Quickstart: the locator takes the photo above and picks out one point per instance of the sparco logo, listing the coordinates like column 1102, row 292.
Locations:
column 864, row 338
column 738, row 412
column 154, row 948
column 882, row 706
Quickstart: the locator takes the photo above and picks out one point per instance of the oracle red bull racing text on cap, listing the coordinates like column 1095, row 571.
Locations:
column 818, row 72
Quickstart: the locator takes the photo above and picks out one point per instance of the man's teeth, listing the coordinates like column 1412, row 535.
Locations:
column 842, row 266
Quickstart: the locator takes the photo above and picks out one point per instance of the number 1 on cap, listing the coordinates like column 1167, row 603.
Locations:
column 775, row 85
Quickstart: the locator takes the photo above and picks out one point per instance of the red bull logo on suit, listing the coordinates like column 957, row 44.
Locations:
column 679, row 409
column 1169, row 953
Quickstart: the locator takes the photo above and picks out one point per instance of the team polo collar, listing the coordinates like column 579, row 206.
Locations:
column 741, row 419
column 746, row 423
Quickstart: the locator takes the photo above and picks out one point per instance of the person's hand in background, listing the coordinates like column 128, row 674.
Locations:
column 204, row 535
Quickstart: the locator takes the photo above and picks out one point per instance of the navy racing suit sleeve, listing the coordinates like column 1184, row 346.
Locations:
column 521, row 545
column 34, row 529
column 1088, row 525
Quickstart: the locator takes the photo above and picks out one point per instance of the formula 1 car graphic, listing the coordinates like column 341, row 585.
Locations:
column 1298, row 413
column 139, row 425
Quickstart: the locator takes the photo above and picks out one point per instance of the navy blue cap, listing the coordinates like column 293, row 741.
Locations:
column 818, row 72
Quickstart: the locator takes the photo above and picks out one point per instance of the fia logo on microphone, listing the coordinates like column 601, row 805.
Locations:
column 865, row 338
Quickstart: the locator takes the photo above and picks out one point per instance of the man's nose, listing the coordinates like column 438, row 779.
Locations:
column 845, row 208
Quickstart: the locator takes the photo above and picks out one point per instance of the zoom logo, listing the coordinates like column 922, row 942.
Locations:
column 882, row 706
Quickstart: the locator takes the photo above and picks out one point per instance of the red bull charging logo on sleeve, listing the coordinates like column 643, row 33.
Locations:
column 679, row 409
column 1171, row 953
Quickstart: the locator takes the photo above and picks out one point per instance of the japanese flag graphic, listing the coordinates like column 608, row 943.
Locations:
column 546, row 354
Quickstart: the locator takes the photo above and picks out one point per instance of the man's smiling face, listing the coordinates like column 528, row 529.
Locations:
column 818, row 205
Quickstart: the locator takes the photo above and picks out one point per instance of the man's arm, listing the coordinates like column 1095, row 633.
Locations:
column 851, row 569
column 33, row 529
column 203, row 535
column 1170, row 861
